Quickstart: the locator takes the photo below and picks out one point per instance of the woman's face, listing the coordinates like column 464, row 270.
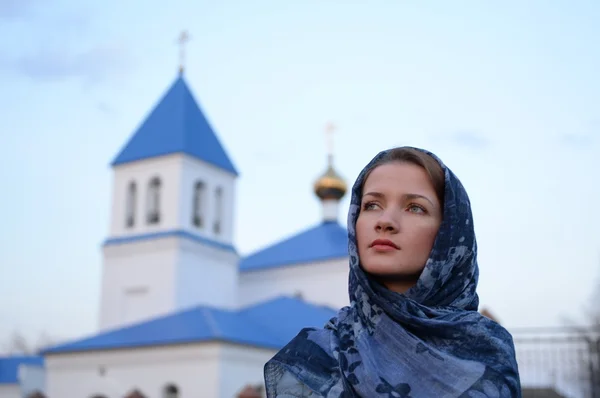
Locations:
column 399, row 219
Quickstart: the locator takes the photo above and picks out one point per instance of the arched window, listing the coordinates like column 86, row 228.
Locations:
column 251, row 391
column 217, row 227
column 171, row 391
column 135, row 394
column 131, row 204
column 153, row 201
column 198, row 204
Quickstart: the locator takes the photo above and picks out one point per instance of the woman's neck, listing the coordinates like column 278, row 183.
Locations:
column 399, row 286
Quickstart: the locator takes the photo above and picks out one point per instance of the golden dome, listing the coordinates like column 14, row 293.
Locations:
column 330, row 185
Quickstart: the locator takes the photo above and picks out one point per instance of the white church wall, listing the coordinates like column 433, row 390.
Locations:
column 323, row 283
column 138, row 281
column 10, row 391
column 146, row 279
column 32, row 378
column 209, row 370
column 206, row 276
column 193, row 369
column 241, row 366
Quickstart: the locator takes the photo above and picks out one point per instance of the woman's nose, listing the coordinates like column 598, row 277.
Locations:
column 386, row 223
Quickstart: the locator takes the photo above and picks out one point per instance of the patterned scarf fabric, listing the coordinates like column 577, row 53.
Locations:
column 429, row 342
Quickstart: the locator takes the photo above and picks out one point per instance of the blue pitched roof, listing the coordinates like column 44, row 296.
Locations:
column 270, row 325
column 325, row 241
column 9, row 367
column 176, row 125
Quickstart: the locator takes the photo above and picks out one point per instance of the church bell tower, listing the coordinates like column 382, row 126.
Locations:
column 170, row 244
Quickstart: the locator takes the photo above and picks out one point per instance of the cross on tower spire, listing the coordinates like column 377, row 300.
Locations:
column 329, row 130
column 183, row 39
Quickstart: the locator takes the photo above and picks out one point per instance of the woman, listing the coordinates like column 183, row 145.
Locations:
column 412, row 329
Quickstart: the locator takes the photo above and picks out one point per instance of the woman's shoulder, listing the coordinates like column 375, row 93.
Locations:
column 311, row 350
column 487, row 324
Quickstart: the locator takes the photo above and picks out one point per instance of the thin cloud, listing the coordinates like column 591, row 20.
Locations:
column 106, row 108
column 15, row 9
column 93, row 66
column 76, row 18
column 584, row 139
column 577, row 140
column 470, row 139
column 465, row 138
column 51, row 62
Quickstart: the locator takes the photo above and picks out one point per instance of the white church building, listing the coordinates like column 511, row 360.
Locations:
column 181, row 314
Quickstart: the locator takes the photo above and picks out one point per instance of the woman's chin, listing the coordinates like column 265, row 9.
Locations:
column 391, row 278
column 384, row 270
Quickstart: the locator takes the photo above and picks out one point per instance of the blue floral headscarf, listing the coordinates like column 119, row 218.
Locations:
column 426, row 343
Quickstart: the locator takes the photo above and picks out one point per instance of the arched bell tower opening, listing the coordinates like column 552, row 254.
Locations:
column 199, row 205
column 131, row 204
column 153, row 201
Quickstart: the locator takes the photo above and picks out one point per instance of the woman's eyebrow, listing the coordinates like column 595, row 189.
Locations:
column 417, row 196
column 375, row 194
column 407, row 196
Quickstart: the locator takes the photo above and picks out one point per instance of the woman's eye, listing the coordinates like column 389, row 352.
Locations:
column 369, row 206
column 416, row 209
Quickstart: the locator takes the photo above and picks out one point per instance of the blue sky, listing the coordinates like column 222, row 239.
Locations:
column 506, row 93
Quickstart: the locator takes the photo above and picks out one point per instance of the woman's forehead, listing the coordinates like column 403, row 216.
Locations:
column 398, row 177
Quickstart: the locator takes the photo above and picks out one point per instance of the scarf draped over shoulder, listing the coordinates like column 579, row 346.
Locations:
column 429, row 342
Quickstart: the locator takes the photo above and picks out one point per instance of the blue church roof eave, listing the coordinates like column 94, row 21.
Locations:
column 128, row 346
column 176, row 124
column 114, row 241
column 9, row 366
column 264, row 325
column 325, row 241
column 116, row 162
column 292, row 263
